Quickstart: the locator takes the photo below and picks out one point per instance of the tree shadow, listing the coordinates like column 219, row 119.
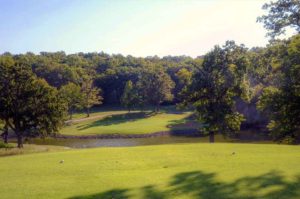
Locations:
column 270, row 185
column 203, row 185
column 187, row 127
column 114, row 193
column 152, row 192
column 116, row 119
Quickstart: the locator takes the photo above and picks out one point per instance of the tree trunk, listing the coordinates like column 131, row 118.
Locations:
column 211, row 137
column 5, row 134
column 5, row 137
column 157, row 108
column 71, row 114
column 88, row 112
column 20, row 141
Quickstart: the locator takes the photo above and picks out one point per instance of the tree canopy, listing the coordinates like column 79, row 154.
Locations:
column 215, row 86
column 281, row 14
column 28, row 104
column 281, row 100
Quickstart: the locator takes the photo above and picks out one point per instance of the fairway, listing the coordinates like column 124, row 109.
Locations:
column 213, row 171
column 121, row 122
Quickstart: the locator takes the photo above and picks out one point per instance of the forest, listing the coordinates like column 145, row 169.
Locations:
column 228, row 78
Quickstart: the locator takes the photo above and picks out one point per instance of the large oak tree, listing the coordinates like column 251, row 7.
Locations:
column 218, row 82
column 28, row 105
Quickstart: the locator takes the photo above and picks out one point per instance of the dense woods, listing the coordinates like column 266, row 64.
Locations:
column 37, row 89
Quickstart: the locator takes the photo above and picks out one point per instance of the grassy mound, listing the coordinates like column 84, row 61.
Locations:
column 167, row 171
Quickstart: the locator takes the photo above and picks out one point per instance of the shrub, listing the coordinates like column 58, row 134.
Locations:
column 6, row 146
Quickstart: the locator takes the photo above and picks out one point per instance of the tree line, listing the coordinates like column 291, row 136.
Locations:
column 37, row 91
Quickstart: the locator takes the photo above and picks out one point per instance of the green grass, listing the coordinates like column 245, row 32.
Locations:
column 99, row 112
column 166, row 171
column 121, row 122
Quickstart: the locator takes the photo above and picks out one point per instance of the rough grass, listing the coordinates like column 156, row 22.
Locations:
column 120, row 122
column 168, row 171
column 29, row 148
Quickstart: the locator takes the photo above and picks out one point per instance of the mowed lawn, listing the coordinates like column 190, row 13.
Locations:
column 121, row 122
column 215, row 171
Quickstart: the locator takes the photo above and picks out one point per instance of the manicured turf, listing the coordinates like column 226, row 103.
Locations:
column 121, row 122
column 215, row 171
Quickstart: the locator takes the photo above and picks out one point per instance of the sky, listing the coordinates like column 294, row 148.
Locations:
column 130, row 27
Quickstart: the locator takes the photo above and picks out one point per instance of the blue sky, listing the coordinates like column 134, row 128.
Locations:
column 136, row 27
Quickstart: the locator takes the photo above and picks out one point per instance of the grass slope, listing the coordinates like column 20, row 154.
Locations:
column 166, row 171
column 118, row 122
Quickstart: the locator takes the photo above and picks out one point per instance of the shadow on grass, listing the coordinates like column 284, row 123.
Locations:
column 117, row 119
column 202, row 185
column 115, row 193
column 187, row 127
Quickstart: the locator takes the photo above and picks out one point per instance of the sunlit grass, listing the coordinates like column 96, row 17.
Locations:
column 120, row 122
column 197, row 171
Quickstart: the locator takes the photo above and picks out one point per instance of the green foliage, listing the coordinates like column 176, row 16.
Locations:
column 130, row 96
column 216, row 85
column 184, row 76
column 28, row 104
column 281, row 101
column 72, row 95
column 5, row 146
column 91, row 94
column 281, row 14
column 155, row 86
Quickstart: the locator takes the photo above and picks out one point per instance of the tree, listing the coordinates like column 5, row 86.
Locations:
column 28, row 105
column 6, row 62
column 281, row 101
column 130, row 96
column 91, row 95
column 5, row 133
column 184, row 76
column 71, row 93
column 155, row 86
column 281, row 14
column 214, row 88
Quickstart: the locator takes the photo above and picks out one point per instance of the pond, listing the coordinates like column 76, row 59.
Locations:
column 116, row 142
column 120, row 142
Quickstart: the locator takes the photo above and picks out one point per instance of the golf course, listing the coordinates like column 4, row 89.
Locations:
column 164, row 99
column 182, row 169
